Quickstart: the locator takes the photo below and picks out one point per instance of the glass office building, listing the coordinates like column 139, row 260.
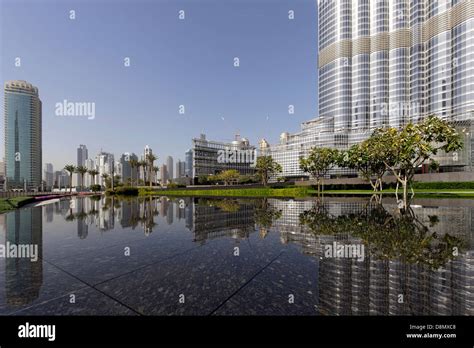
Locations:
column 390, row 62
column 23, row 144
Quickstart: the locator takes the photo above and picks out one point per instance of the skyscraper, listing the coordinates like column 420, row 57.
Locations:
column 179, row 169
column 164, row 174
column 390, row 62
column 23, row 140
column 127, row 172
column 188, row 164
column 82, row 156
column 48, row 175
column 169, row 166
column 104, row 162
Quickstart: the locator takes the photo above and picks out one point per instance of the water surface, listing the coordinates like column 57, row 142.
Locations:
column 199, row 256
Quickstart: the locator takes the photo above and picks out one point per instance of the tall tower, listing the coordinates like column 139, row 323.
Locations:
column 82, row 155
column 23, row 140
column 390, row 62
column 169, row 166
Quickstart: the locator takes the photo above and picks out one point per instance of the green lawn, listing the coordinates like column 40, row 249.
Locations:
column 300, row 192
column 241, row 192
column 441, row 193
column 7, row 204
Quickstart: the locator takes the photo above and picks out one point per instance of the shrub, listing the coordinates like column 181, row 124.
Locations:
column 95, row 188
column 124, row 191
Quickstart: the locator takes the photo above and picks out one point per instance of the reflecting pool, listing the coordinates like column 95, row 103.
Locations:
column 209, row 256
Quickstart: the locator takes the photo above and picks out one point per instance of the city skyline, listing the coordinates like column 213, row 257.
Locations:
column 219, row 99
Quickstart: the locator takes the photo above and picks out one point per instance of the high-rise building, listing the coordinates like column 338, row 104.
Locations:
column 104, row 162
column 390, row 62
column 144, row 172
column 180, row 169
column 23, row 139
column 169, row 166
column 81, row 155
column 387, row 63
column 61, row 179
column 164, row 174
column 90, row 165
column 127, row 172
column 2, row 175
column 48, row 175
column 188, row 164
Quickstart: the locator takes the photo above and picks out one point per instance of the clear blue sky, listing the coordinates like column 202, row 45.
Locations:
column 173, row 62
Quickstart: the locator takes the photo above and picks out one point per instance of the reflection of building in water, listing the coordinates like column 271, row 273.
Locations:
column 180, row 209
column 169, row 214
column 164, row 203
column 189, row 213
column 49, row 212
column 128, row 213
column 105, row 219
column 211, row 221
column 82, row 206
column 382, row 287
column 23, row 278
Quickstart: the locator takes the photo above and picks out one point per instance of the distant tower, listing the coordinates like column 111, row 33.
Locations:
column 23, row 135
column 169, row 166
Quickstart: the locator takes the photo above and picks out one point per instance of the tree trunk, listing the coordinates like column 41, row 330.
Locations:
column 405, row 192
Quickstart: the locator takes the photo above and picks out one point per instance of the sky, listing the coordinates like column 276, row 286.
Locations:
column 173, row 62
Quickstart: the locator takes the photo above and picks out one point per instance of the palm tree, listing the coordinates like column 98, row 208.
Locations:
column 133, row 165
column 143, row 165
column 71, row 169
column 105, row 176
column 150, row 158
column 81, row 170
column 93, row 173
column 156, row 170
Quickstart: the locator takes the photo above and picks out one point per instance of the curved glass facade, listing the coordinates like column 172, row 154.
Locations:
column 395, row 61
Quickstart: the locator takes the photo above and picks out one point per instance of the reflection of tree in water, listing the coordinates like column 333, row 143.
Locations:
column 149, row 212
column 265, row 216
column 227, row 205
column 400, row 236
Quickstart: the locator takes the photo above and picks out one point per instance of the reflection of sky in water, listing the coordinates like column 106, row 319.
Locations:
column 187, row 246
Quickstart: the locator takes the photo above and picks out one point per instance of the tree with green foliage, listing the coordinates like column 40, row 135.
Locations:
column 81, row 170
column 143, row 164
column 267, row 167
column 134, row 167
column 70, row 168
column 106, row 179
column 229, row 176
column 93, row 173
column 415, row 144
column 369, row 163
column 319, row 162
column 150, row 159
